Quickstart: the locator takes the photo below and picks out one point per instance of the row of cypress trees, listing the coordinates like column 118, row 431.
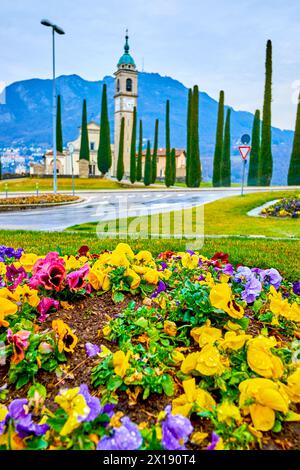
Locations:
column 193, row 164
column 222, row 161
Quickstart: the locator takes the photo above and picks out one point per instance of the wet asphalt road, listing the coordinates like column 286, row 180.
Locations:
column 99, row 206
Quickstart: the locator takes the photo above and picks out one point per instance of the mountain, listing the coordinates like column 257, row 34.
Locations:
column 26, row 117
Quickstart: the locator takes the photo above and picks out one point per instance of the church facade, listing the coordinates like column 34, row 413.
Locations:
column 125, row 101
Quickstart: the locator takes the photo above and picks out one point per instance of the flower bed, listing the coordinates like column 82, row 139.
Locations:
column 22, row 202
column 119, row 350
column 288, row 207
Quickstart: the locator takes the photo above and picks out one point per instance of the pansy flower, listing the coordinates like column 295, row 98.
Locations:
column 175, row 430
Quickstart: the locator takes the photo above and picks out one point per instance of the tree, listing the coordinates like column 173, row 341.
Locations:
column 168, row 170
column 133, row 149
column 154, row 155
column 219, row 142
column 294, row 168
column 59, row 138
column 147, row 171
column 140, row 154
column 254, row 154
column 188, row 136
column 104, row 150
column 265, row 156
column 194, row 173
column 225, row 179
column 120, row 163
column 84, row 153
column 173, row 166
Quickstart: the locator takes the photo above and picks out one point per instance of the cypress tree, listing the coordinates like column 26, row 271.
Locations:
column 133, row 149
column 265, row 157
column 254, row 155
column 59, row 138
column 294, row 168
column 219, row 142
column 140, row 154
column 104, row 150
column 154, row 155
column 173, row 166
column 120, row 163
column 84, row 153
column 194, row 177
column 188, row 136
column 147, row 171
column 168, row 170
column 225, row 178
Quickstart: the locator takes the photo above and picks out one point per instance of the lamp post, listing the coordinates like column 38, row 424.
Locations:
column 58, row 30
column 71, row 151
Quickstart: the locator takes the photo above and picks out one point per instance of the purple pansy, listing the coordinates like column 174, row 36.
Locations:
column 126, row 437
column 243, row 273
column 9, row 252
column 271, row 276
column 252, row 289
column 24, row 425
column 92, row 402
column 15, row 276
column 296, row 287
column 214, row 441
column 161, row 287
column 92, row 349
column 228, row 269
column 175, row 431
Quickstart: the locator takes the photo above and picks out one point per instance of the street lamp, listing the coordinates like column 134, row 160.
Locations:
column 58, row 30
column 71, row 151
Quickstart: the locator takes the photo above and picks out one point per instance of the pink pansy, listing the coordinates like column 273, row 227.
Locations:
column 20, row 343
column 77, row 279
column 48, row 272
column 44, row 306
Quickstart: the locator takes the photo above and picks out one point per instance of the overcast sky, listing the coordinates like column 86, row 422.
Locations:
column 218, row 44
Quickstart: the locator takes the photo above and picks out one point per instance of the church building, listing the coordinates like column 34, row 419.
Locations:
column 125, row 100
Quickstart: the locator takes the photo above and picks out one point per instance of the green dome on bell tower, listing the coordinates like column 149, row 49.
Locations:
column 126, row 58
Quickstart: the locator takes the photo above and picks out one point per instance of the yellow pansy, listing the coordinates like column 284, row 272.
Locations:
column 74, row 404
column 71, row 263
column 224, row 277
column 118, row 259
column 266, row 397
column 170, row 328
column 144, row 257
column 2, row 268
column 6, row 308
column 121, row 362
column 293, row 386
column 209, row 280
column 165, row 274
column 27, row 295
column 102, row 260
column 135, row 278
column 106, row 330
column 189, row 261
column 151, row 276
column 99, row 279
column 234, row 341
column 261, row 360
column 198, row 437
column 139, row 269
column 206, row 334
column 206, row 362
column 177, row 356
column 282, row 307
column 192, row 397
column 227, row 412
column 221, row 298
column 28, row 260
column 3, row 412
column 67, row 340
column 125, row 249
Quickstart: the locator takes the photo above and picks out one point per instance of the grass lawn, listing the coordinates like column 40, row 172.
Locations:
column 228, row 216
column 64, row 184
column 280, row 254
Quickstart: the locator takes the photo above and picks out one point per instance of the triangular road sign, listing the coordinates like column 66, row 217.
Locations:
column 244, row 150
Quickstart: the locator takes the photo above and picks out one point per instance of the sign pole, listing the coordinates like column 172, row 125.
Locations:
column 243, row 177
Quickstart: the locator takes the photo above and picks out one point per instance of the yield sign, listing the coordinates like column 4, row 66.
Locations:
column 244, row 150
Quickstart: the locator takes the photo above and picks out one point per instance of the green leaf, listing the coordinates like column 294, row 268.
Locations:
column 114, row 383
column 142, row 322
column 22, row 380
column 118, row 297
column 39, row 388
column 277, row 426
column 168, row 385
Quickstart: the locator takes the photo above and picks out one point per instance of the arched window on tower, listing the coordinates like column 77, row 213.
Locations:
column 128, row 84
column 118, row 86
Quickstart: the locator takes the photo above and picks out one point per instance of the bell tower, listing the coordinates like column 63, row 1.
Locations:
column 126, row 82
